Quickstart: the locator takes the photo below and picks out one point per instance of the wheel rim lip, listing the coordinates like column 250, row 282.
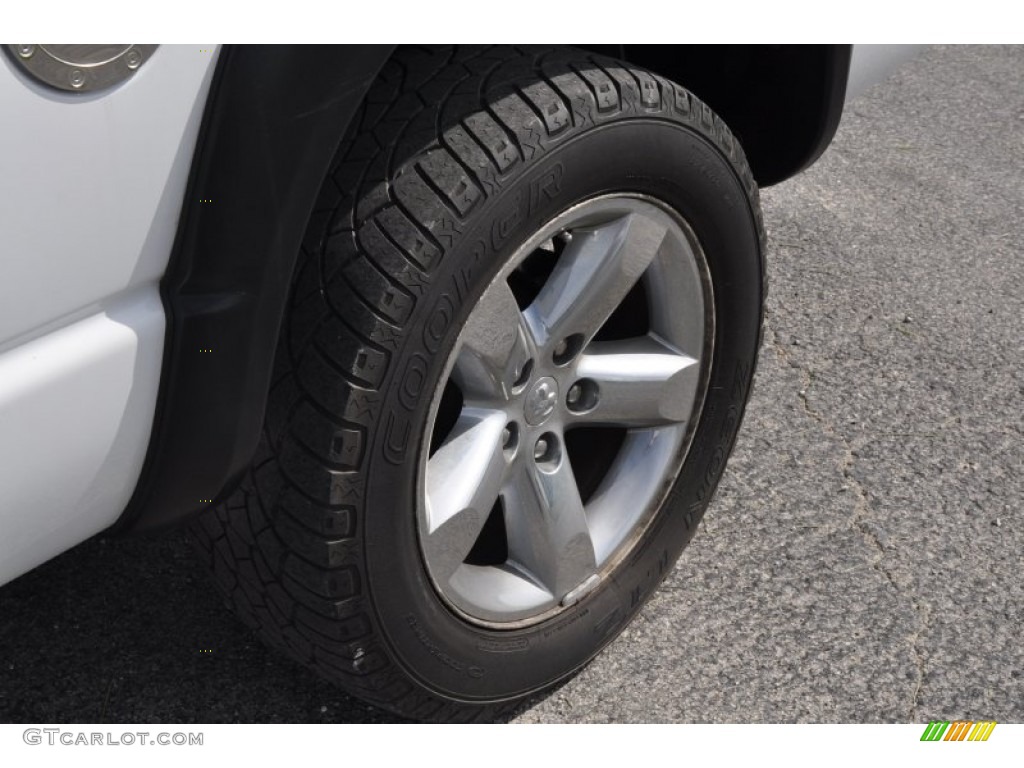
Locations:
column 575, row 216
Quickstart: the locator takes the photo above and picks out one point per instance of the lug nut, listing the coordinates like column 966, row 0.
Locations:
column 566, row 349
column 582, row 396
column 540, row 450
column 573, row 395
column 510, row 440
column 547, row 452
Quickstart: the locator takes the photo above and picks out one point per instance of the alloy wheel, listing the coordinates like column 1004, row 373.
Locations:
column 565, row 410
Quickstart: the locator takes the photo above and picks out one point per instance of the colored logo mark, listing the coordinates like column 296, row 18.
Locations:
column 958, row 730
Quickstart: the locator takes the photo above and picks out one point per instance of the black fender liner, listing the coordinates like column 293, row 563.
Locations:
column 274, row 118
column 783, row 102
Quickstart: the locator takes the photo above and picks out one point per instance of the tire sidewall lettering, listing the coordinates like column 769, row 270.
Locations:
column 544, row 188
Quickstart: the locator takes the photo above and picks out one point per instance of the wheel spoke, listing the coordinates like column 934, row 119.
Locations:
column 598, row 268
column 463, row 479
column 640, row 383
column 495, row 346
column 548, row 537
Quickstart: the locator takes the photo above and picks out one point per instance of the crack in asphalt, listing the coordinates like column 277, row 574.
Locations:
column 861, row 508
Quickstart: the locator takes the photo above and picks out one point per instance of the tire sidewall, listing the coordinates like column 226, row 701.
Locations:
column 662, row 159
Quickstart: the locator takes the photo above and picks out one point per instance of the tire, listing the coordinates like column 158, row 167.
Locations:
column 456, row 160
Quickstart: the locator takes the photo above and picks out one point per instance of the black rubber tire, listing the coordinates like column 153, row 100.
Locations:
column 457, row 156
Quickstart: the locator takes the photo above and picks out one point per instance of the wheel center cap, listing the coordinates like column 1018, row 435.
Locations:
column 540, row 401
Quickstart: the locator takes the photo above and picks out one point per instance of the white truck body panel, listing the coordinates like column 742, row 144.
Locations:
column 91, row 188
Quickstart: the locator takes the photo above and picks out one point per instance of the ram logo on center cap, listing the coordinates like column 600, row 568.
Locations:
column 541, row 400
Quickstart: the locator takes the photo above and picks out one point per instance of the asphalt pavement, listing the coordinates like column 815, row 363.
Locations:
column 863, row 559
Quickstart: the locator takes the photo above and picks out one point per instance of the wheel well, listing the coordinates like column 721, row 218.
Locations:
column 783, row 102
column 226, row 282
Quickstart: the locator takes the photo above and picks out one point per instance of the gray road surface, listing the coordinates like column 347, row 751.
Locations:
column 862, row 560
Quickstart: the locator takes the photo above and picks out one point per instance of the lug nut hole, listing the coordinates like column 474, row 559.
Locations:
column 523, row 377
column 547, row 450
column 582, row 396
column 566, row 350
column 510, row 439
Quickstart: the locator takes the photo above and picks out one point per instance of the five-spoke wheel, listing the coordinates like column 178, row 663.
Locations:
column 599, row 327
